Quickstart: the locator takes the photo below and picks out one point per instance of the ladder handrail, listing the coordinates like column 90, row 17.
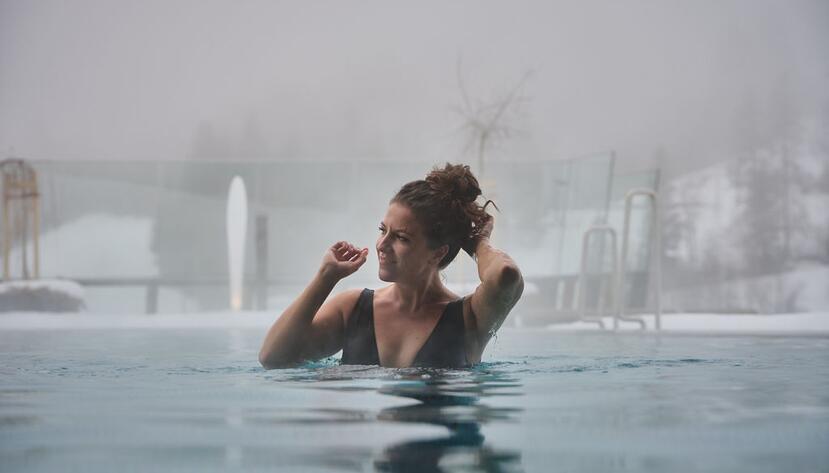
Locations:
column 583, row 275
column 655, row 254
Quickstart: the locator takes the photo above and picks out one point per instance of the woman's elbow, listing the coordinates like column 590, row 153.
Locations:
column 510, row 277
column 264, row 360
column 270, row 360
column 511, row 281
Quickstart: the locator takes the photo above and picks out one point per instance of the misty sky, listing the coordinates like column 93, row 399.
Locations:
column 377, row 80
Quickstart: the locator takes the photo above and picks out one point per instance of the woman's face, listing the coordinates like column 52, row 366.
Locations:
column 402, row 248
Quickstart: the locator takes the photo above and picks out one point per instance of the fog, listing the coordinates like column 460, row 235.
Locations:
column 726, row 99
column 373, row 80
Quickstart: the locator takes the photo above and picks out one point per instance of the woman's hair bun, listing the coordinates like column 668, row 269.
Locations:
column 456, row 182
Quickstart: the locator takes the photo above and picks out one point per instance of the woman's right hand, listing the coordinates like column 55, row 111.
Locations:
column 342, row 260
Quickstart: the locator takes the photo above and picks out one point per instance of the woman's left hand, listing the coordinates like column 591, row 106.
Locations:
column 483, row 234
column 486, row 232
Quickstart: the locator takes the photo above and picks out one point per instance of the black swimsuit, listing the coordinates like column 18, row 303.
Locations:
column 445, row 347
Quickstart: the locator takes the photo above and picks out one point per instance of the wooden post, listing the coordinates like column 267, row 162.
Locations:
column 20, row 184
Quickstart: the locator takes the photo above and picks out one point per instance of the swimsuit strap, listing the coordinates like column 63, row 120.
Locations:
column 360, row 343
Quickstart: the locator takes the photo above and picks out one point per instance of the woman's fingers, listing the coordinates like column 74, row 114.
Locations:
column 345, row 251
column 363, row 254
column 355, row 254
column 349, row 253
column 343, row 259
column 486, row 228
column 339, row 248
column 360, row 257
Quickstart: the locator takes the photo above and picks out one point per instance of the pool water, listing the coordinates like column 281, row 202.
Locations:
column 197, row 400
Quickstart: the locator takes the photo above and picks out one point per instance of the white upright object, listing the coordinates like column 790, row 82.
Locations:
column 237, row 222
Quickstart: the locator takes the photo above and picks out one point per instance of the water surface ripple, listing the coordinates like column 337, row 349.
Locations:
column 197, row 400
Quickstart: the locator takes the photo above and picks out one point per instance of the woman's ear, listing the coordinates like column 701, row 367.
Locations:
column 439, row 253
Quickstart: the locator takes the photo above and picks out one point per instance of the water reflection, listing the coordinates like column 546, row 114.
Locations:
column 451, row 402
column 453, row 399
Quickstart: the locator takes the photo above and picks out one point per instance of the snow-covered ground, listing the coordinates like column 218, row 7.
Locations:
column 811, row 323
column 65, row 286
column 814, row 323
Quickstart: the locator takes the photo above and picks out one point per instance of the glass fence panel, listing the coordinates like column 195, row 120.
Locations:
column 158, row 228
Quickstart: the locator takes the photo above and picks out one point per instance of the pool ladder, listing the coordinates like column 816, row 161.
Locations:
column 619, row 266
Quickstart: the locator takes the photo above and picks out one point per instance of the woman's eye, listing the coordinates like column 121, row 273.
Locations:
column 383, row 230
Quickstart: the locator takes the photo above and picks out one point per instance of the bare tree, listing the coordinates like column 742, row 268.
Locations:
column 486, row 122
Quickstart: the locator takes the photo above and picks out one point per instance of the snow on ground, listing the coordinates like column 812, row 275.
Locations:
column 97, row 246
column 814, row 323
column 64, row 286
column 48, row 321
column 810, row 323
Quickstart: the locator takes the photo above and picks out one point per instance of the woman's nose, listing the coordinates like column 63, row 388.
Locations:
column 383, row 243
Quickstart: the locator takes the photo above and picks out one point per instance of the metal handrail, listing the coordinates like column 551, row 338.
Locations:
column 583, row 275
column 655, row 254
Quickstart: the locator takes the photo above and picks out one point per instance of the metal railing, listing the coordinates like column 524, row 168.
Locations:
column 655, row 252
column 582, row 287
column 619, row 269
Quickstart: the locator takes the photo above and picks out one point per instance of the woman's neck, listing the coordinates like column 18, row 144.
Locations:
column 411, row 297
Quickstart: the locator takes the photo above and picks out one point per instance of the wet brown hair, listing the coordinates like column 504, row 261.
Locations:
column 445, row 205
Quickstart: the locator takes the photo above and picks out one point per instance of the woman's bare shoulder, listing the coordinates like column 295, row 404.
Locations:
column 347, row 300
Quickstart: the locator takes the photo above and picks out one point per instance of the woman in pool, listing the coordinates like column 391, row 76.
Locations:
column 415, row 320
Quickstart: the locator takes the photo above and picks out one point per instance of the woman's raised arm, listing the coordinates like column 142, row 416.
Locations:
column 501, row 285
column 311, row 328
